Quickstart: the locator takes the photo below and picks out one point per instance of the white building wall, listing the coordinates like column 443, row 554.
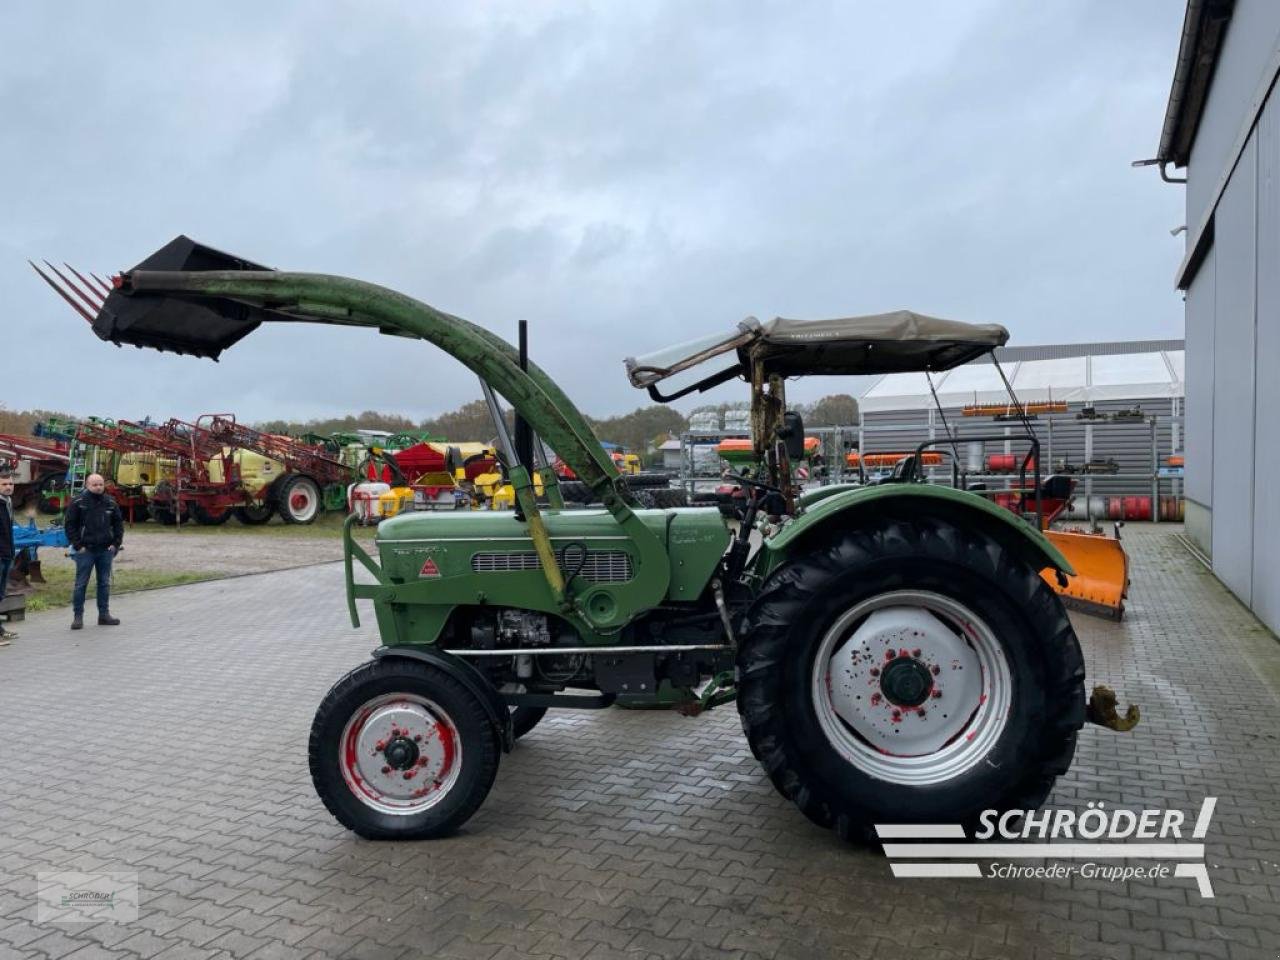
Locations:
column 1233, row 379
column 1233, row 315
column 1266, row 436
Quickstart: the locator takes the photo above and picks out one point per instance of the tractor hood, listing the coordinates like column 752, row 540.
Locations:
column 875, row 344
column 476, row 543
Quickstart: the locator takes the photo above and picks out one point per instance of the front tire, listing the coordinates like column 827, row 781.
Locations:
column 853, row 692
column 401, row 750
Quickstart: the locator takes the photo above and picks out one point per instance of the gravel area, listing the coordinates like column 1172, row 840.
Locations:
column 220, row 554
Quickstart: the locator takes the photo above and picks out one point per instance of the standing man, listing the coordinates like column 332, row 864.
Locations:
column 6, row 542
column 95, row 529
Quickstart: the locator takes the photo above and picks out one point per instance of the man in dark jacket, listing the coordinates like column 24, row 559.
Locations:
column 6, row 543
column 95, row 529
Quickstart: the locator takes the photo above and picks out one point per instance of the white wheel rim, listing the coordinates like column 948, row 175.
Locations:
column 400, row 754
column 304, row 500
column 911, row 687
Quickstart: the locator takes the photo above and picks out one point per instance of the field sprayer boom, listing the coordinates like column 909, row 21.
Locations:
column 175, row 476
column 312, row 480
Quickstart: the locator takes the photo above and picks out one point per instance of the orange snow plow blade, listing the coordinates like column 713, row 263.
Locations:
column 1101, row 581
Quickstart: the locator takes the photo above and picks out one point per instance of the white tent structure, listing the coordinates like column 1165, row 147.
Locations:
column 1090, row 378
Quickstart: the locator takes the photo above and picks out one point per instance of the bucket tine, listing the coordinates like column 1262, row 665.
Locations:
column 62, row 293
column 89, row 287
column 106, row 287
column 92, row 304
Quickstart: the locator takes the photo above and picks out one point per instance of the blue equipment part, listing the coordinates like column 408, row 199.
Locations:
column 32, row 536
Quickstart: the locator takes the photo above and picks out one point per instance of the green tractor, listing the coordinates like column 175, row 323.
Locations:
column 894, row 652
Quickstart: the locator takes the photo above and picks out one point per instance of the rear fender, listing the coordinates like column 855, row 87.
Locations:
column 851, row 507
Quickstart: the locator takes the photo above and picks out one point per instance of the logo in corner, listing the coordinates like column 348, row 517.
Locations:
column 1082, row 845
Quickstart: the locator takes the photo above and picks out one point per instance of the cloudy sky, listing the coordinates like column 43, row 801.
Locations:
column 622, row 175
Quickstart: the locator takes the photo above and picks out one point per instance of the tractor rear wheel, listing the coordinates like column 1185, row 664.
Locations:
column 299, row 499
column 254, row 514
column 400, row 750
column 911, row 671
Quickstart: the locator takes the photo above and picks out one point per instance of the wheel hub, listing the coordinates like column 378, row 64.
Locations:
column 400, row 754
column 911, row 687
column 906, row 682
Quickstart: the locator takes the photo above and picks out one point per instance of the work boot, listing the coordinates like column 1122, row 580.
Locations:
column 107, row 620
column 7, row 634
column 78, row 622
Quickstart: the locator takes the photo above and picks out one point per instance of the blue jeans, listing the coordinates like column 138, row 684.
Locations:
column 5, row 566
column 87, row 561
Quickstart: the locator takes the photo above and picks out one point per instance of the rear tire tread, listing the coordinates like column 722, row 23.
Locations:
column 782, row 603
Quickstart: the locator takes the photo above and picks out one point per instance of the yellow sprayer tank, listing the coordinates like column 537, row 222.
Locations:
column 256, row 471
column 145, row 470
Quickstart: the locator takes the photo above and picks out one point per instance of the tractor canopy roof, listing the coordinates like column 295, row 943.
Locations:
column 895, row 342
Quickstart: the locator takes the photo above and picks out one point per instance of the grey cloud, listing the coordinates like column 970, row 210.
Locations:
column 620, row 175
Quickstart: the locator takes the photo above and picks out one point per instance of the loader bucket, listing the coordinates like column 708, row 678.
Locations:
column 202, row 326
column 1101, row 581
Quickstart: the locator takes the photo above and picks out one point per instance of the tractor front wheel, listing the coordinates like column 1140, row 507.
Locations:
column 911, row 671
column 400, row 750
column 299, row 499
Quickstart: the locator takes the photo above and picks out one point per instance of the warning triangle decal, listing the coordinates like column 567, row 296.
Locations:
column 429, row 569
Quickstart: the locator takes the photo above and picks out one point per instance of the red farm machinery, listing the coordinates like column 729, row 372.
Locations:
column 40, row 470
column 278, row 473
column 208, row 470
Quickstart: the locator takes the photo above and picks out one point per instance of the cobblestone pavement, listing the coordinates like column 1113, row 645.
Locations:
column 174, row 747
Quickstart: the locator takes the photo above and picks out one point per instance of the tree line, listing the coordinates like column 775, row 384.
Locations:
column 639, row 431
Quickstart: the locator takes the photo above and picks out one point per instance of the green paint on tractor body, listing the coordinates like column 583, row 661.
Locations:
column 845, row 503
column 483, row 558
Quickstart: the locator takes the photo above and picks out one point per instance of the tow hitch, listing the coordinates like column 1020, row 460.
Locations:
column 1102, row 711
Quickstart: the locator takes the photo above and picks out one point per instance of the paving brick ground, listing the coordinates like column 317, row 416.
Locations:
column 174, row 747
